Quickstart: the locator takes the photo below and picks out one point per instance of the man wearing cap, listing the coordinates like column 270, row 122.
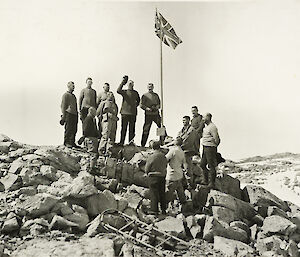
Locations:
column 156, row 168
column 91, row 135
column 107, row 113
column 198, row 124
column 210, row 142
column 69, row 115
column 176, row 163
column 150, row 103
column 189, row 146
column 131, row 100
column 87, row 99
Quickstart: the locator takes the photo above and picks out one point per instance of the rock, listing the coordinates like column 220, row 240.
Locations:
column 39, row 204
column 215, row 228
column 60, row 160
column 253, row 232
column 241, row 225
column 257, row 219
column 10, row 225
column 31, row 176
column 294, row 209
column 48, row 172
column 292, row 249
column 111, row 167
column 79, row 209
column 128, row 152
column 62, row 208
column 16, row 166
column 272, row 243
column 122, row 204
column 229, row 185
column 61, row 223
column 296, row 220
column 140, row 179
column 4, row 138
column 104, row 183
column 131, row 212
column 231, row 247
column 133, row 199
column 259, row 196
column 171, row 224
column 274, row 210
column 34, row 227
column 4, row 147
column 241, row 208
column 113, row 220
column 30, row 191
column 223, row 214
column 200, row 219
column 81, row 187
column 127, row 173
column 2, row 187
column 100, row 202
column 19, row 152
column 11, row 182
column 81, row 219
column 278, row 225
column 95, row 227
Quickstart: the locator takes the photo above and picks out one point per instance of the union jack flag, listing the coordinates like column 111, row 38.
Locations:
column 163, row 28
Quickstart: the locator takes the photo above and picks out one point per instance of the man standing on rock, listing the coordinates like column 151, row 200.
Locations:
column 176, row 159
column 189, row 146
column 198, row 124
column 69, row 115
column 131, row 100
column 155, row 168
column 150, row 103
column 91, row 134
column 87, row 99
column 107, row 113
column 210, row 142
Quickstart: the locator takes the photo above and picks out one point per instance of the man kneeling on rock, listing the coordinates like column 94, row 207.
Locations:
column 156, row 168
column 176, row 159
column 91, row 134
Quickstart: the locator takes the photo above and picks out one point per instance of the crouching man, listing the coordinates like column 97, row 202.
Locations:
column 176, row 159
column 91, row 134
column 156, row 168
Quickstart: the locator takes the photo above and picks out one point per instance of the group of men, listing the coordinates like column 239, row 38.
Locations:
column 165, row 172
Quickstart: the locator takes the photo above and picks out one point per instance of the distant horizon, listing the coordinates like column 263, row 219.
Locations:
column 239, row 61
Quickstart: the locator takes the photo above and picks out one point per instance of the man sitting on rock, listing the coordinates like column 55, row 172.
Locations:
column 107, row 113
column 176, row 159
column 91, row 134
column 156, row 169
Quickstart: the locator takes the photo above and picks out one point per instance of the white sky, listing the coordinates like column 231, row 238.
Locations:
column 238, row 60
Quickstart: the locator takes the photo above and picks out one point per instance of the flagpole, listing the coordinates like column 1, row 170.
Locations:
column 161, row 80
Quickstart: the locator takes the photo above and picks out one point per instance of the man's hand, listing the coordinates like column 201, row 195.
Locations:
column 62, row 120
column 148, row 109
column 125, row 79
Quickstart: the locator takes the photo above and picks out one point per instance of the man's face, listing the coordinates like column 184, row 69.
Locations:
column 185, row 122
column 106, row 87
column 71, row 87
column 194, row 111
column 89, row 82
column 150, row 87
column 130, row 85
column 110, row 96
column 206, row 118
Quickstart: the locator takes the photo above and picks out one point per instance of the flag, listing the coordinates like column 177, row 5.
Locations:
column 163, row 28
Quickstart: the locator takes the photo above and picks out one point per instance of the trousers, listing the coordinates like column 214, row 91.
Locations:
column 127, row 120
column 157, row 192
column 71, row 122
column 209, row 157
column 108, row 138
column 172, row 187
column 147, row 126
column 91, row 144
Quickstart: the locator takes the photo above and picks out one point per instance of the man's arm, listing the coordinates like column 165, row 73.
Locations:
column 148, row 165
column 170, row 154
column 99, row 111
column 143, row 104
column 215, row 134
column 81, row 99
column 158, row 105
column 64, row 105
column 138, row 99
column 184, row 163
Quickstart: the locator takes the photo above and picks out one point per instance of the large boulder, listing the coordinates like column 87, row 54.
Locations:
column 16, row 166
column 214, row 227
column 81, row 219
column 171, row 224
column 140, row 179
column 229, row 185
column 32, row 176
column 242, row 209
column 128, row 171
column 10, row 225
column 271, row 244
column 81, row 187
column 100, row 202
column 60, row 223
column 11, row 182
column 39, row 204
column 199, row 196
column 34, row 227
column 278, row 225
column 258, row 196
column 231, row 247
column 224, row 214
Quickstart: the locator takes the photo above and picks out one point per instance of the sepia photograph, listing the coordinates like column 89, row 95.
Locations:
column 149, row 128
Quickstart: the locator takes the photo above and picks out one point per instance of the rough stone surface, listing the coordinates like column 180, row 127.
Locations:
column 278, row 225
column 223, row 214
column 274, row 210
column 39, row 204
column 170, row 224
column 259, row 196
column 61, row 223
column 273, row 243
column 16, row 166
column 10, row 182
column 231, row 247
column 242, row 209
column 81, row 219
column 229, row 185
column 199, row 197
column 10, row 225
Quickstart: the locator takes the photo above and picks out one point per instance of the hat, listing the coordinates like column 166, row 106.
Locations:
column 155, row 144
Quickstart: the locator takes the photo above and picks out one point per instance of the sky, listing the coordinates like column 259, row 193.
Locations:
column 239, row 61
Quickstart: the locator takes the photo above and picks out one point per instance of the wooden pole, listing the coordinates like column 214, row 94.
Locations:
column 161, row 78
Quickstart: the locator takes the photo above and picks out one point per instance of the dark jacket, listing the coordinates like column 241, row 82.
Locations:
column 69, row 104
column 156, row 164
column 131, row 100
column 152, row 101
column 89, row 127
